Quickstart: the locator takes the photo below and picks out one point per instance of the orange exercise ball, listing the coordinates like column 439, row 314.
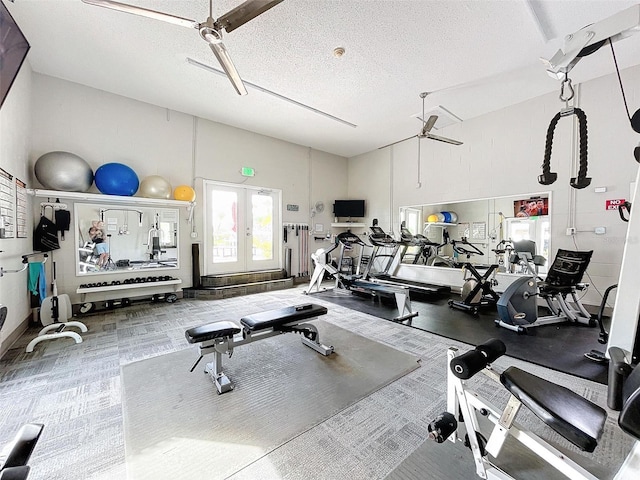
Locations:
column 184, row 193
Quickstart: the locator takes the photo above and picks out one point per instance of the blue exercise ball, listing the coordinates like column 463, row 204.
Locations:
column 117, row 179
column 63, row 171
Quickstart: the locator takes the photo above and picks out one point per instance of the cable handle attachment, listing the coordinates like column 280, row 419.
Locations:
column 548, row 177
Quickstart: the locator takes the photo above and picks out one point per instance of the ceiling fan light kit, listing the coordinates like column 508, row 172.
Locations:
column 210, row 30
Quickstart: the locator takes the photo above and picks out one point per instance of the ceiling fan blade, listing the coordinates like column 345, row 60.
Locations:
column 428, row 125
column 399, row 141
column 442, row 139
column 243, row 13
column 145, row 12
column 220, row 51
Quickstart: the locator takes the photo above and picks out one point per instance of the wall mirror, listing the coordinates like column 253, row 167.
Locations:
column 494, row 226
column 121, row 238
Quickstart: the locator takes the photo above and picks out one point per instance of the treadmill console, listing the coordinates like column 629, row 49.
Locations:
column 379, row 236
column 347, row 238
column 406, row 235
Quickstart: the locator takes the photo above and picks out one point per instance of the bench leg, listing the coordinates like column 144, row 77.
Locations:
column 310, row 336
column 318, row 347
column 214, row 369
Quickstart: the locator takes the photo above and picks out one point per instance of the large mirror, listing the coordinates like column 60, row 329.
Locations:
column 119, row 238
column 511, row 232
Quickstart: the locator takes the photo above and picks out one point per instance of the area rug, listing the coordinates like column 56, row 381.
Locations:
column 177, row 426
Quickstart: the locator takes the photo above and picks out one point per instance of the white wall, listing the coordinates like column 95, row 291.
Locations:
column 15, row 119
column 44, row 114
column 370, row 178
column 304, row 175
column 502, row 155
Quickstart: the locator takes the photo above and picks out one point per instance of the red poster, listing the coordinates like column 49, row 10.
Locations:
column 614, row 204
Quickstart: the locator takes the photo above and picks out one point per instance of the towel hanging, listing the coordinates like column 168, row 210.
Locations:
column 63, row 220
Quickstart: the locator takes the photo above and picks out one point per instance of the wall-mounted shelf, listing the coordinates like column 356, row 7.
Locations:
column 348, row 225
column 440, row 224
column 98, row 197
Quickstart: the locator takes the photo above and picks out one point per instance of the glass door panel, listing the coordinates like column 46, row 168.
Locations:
column 243, row 228
column 225, row 226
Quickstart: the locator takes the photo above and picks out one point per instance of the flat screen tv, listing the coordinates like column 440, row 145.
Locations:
column 348, row 208
column 13, row 51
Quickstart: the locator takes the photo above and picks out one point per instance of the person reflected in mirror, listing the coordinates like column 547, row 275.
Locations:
column 97, row 236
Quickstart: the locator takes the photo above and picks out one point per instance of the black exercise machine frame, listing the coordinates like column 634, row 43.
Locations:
column 357, row 283
column 483, row 284
column 15, row 464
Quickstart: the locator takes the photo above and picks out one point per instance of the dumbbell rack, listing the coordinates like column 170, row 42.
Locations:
column 165, row 284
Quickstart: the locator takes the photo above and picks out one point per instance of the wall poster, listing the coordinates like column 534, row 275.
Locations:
column 7, row 205
column 21, row 209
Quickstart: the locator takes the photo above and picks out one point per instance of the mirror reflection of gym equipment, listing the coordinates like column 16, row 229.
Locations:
column 125, row 238
column 486, row 223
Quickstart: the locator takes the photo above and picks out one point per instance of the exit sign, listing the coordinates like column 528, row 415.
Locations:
column 248, row 172
column 614, row 204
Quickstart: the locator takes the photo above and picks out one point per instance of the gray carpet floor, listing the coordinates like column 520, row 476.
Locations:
column 282, row 389
column 76, row 391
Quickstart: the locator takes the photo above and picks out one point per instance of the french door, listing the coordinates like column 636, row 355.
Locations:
column 242, row 228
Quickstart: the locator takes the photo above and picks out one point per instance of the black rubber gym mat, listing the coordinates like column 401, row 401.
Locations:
column 560, row 346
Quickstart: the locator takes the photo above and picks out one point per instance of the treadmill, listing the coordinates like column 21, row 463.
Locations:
column 380, row 239
column 419, row 242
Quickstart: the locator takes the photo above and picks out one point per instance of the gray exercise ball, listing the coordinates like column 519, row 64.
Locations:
column 64, row 171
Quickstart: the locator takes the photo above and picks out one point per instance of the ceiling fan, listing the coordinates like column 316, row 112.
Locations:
column 210, row 30
column 425, row 132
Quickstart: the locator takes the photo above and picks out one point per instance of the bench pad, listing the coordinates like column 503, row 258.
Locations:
column 282, row 316
column 212, row 331
column 571, row 415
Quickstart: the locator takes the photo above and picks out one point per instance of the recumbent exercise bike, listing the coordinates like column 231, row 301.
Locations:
column 518, row 305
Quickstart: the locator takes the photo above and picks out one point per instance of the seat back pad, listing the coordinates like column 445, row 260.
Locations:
column 282, row 316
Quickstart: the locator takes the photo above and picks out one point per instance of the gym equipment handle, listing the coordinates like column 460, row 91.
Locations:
column 468, row 364
column 548, row 177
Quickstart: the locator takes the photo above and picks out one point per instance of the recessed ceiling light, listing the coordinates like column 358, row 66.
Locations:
column 338, row 52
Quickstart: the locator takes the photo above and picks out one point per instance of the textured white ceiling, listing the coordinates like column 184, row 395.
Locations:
column 477, row 56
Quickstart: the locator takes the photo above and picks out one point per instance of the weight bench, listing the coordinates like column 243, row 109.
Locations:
column 222, row 337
